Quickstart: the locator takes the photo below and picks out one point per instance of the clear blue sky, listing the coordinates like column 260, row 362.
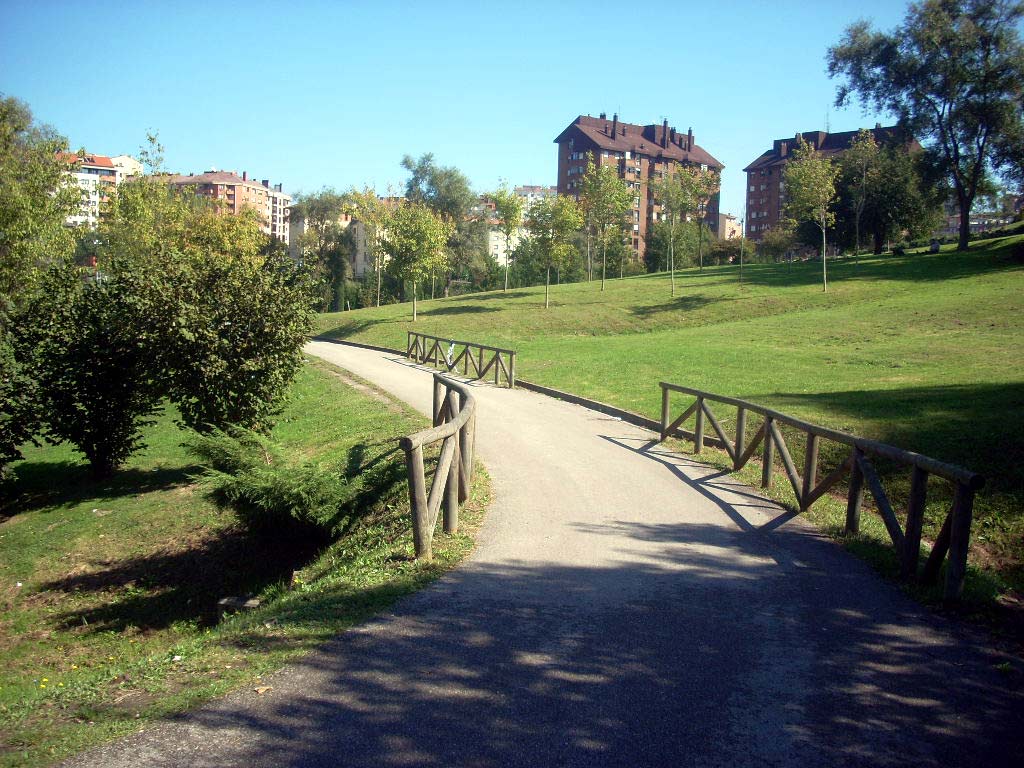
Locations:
column 333, row 94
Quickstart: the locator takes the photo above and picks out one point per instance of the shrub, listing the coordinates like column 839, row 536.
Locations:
column 96, row 368
column 269, row 496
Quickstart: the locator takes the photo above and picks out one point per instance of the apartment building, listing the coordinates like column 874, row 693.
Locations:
column 638, row 153
column 766, row 195
column 96, row 176
column 235, row 193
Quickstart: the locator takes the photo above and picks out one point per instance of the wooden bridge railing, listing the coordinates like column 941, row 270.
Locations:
column 450, row 353
column 454, row 424
column 955, row 533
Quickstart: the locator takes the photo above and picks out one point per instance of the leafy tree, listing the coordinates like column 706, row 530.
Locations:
column 446, row 191
column 366, row 206
column 553, row 221
column 35, row 200
column 952, row 74
column 677, row 197
column 661, row 237
column 810, row 181
column 91, row 349
column 858, row 169
column 415, row 238
column 509, row 208
column 325, row 242
column 777, row 242
column 608, row 200
column 702, row 186
column 228, row 314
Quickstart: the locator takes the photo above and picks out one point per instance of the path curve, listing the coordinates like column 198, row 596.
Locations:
column 625, row 606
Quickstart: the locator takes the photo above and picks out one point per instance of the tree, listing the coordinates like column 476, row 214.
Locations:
column 446, row 191
column 97, row 365
column 509, row 208
column 325, row 241
column 35, row 200
column 777, row 242
column 677, row 198
column 608, row 199
column 810, row 181
column 553, row 221
column 367, row 207
column 858, row 166
column 415, row 238
column 952, row 74
column 703, row 185
column 228, row 315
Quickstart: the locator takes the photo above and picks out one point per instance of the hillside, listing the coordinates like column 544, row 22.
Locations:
column 923, row 351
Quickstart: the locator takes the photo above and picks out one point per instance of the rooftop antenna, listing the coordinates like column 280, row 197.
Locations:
column 828, row 124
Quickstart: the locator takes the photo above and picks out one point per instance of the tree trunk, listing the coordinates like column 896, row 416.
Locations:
column 547, row 286
column 590, row 262
column 376, row 262
column 824, row 272
column 878, row 239
column 856, row 235
column 964, row 240
column 672, row 256
column 700, row 245
column 508, row 249
column 414, row 301
column 604, row 259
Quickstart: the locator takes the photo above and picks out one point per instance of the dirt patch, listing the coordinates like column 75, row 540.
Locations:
column 365, row 389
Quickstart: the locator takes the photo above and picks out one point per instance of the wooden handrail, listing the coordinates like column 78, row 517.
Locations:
column 454, row 417
column 424, row 348
column 955, row 534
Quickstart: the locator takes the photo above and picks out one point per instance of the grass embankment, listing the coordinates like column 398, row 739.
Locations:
column 922, row 351
column 109, row 592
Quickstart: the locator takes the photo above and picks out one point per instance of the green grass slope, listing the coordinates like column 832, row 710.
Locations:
column 108, row 591
column 922, row 351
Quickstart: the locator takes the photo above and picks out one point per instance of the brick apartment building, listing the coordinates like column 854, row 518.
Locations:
column 96, row 176
column 236, row 192
column 638, row 153
column 765, row 189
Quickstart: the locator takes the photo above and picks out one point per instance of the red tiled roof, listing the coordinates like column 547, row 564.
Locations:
column 642, row 139
column 97, row 161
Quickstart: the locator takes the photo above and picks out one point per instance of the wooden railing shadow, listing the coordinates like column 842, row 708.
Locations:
column 451, row 353
column 454, row 418
column 954, row 535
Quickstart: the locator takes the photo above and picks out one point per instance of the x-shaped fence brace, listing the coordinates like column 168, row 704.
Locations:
column 449, row 354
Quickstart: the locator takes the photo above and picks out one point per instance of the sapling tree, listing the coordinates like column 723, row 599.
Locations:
column 415, row 239
column 810, row 181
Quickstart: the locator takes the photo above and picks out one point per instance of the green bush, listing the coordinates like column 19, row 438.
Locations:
column 96, row 368
column 243, row 470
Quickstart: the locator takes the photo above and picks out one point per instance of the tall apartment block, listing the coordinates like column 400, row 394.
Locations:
column 638, row 153
column 235, row 193
column 96, row 176
column 766, row 191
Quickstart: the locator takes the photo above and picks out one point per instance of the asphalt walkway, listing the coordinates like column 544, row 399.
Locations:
column 626, row 606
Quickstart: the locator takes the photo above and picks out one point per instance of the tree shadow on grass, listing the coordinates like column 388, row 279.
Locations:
column 159, row 589
column 56, row 485
column 466, row 309
column 684, row 303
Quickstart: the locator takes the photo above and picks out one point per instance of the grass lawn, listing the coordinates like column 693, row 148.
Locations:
column 108, row 592
column 922, row 351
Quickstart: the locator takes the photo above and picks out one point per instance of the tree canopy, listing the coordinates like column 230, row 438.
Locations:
column 606, row 200
column 810, row 185
column 415, row 239
column 952, row 74
column 553, row 221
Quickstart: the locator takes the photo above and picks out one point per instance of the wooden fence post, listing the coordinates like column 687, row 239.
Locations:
column 856, row 493
column 698, row 429
column 512, row 370
column 451, row 495
column 915, row 517
column 959, row 540
column 810, row 470
column 418, row 503
column 769, row 454
column 741, row 435
column 664, row 412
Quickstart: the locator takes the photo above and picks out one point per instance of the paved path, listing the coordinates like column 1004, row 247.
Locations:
column 626, row 607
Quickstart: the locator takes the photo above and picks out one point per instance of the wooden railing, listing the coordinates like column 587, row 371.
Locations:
column 454, row 424
column 955, row 533
column 450, row 353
